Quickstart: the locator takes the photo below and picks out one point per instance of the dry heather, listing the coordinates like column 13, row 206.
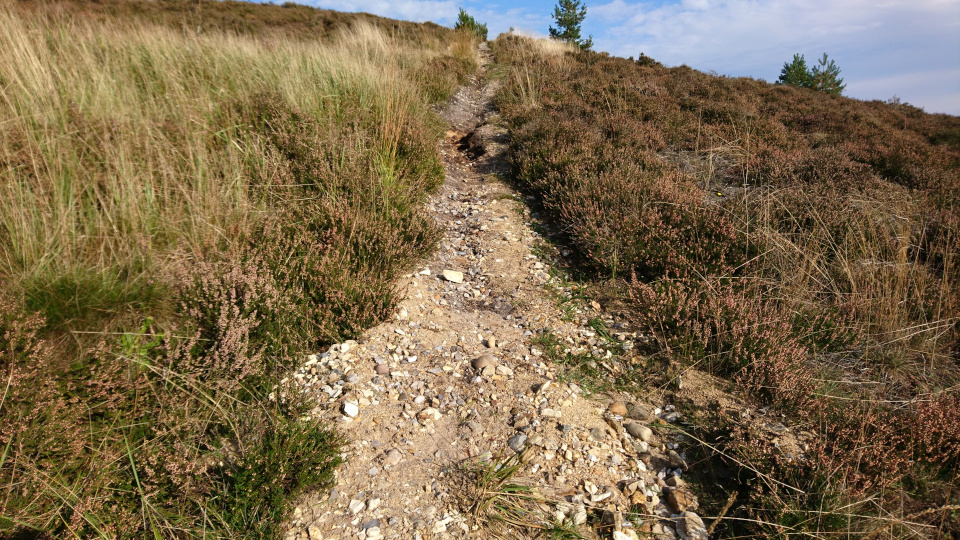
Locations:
column 181, row 215
column 804, row 246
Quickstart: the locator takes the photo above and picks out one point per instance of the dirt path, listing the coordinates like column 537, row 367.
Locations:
column 455, row 378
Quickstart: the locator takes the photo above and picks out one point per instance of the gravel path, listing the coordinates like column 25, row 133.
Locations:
column 455, row 379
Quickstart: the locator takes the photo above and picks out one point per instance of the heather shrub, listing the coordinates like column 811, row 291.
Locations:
column 801, row 245
column 182, row 217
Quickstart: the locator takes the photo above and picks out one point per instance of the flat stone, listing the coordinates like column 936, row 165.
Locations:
column 550, row 413
column 392, row 457
column 675, row 461
column 313, row 532
column 579, row 515
column 453, row 276
column 691, row 524
column 517, row 442
column 679, row 500
column 618, row 408
column 370, row 524
column 481, row 362
column 640, row 431
column 356, row 506
column 639, row 412
column 597, row 434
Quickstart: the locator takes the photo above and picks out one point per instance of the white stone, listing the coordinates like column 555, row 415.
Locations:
column 453, row 276
column 355, row 506
column 350, row 409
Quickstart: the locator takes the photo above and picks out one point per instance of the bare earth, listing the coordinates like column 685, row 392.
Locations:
column 422, row 411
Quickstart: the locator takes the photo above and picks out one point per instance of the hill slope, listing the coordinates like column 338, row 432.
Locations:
column 802, row 245
column 182, row 214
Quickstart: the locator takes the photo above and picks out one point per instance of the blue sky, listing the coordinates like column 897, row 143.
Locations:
column 907, row 48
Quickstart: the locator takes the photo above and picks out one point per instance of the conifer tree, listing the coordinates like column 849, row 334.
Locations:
column 826, row 77
column 569, row 14
column 795, row 73
column 468, row 23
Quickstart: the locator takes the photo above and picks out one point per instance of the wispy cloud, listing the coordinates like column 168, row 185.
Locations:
column 440, row 11
column 877, row 44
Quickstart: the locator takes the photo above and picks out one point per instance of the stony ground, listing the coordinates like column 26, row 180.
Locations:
column 456, row 384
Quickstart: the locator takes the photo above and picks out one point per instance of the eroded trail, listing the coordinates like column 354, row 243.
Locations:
column 455, row 378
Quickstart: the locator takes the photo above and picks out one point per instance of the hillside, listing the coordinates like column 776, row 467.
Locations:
column 187, row 205
column 281, row 272
column 800, row 245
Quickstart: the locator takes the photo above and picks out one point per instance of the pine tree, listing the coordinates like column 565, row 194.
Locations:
column 795, row 73
column 569, row 14
column 826, row 77
column 468, row 23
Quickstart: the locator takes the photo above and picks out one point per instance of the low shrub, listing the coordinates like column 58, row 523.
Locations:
column 783, row 239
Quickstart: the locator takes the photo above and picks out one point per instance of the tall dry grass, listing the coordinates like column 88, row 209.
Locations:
column 183, row 214
column 121, row 148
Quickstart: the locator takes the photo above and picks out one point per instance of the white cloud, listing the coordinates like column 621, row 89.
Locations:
column 883, row 48
column 439, row 11
column 934, row 91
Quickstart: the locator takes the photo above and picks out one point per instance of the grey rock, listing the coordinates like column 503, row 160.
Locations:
column 675, row 461
column 640, row 431
column 691, row 524
column 596, row 434
column 579, row 515
column 481, row 362
column 671, row 416
column 639, row 412
column 517, row 442
column 392, row 457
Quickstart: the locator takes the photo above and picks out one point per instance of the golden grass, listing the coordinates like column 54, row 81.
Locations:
column 120, row 150
column 182, row 214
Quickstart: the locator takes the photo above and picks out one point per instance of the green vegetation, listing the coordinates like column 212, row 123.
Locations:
column 569, row 14
column 184, row 212
column 824, row 77
column 469, row 24
column 803, row 246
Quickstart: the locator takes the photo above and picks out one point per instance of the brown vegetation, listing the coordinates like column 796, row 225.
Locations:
column 803, row 245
